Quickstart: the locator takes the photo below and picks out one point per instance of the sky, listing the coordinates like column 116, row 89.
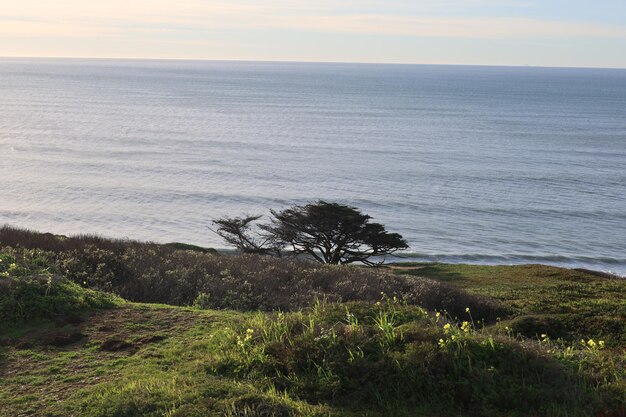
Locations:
column 563, row 33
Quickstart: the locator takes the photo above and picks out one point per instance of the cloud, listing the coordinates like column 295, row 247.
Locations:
column 447, row 27
column 36, row 29
column 73, row 18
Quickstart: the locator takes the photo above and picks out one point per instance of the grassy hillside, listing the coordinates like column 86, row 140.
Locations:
column 559, row 302
column 422, row 340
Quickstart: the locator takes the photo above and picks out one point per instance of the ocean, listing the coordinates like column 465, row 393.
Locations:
column 496, row 165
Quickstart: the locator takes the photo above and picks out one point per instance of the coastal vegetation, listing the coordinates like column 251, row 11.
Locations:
column 98, row 327
column 329, row 233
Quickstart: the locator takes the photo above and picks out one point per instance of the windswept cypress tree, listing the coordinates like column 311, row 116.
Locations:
column 330, row 233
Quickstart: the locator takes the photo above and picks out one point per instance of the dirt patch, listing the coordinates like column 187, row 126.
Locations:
column 115, row 345
column 61, row 338
column 73, row 320
column 151, row 339
column 25, row 344
column 128, row 329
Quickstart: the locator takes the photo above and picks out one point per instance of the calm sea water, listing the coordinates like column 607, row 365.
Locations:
column 470, row 164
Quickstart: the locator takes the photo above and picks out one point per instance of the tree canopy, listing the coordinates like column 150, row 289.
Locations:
column 330, row 233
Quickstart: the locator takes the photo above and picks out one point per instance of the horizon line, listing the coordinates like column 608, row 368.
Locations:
column 278, row 61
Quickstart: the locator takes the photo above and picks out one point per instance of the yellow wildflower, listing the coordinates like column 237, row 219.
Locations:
column 465, row 326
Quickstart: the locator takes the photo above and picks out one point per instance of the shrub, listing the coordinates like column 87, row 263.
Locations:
column 251, row 282
column 95, row 267
column 44, row 296
column 29, row 288
column 17, row 237
column 163, row 274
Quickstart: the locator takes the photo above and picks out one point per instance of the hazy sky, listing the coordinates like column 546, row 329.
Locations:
column 499, row 32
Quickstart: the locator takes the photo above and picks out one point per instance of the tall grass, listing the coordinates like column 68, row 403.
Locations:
column 394, row 359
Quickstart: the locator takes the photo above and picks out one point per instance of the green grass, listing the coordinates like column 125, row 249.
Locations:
column 560, row 302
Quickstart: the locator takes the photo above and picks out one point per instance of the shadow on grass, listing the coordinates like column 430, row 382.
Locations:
column 3, row 356
column 433, row 271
